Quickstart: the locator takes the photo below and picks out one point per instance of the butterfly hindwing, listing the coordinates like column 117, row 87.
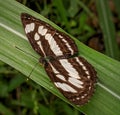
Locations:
column 74, row 77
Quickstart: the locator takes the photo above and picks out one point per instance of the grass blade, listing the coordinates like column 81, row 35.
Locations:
column 108, row 29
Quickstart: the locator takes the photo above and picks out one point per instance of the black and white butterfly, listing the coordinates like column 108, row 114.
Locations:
column 72, row 75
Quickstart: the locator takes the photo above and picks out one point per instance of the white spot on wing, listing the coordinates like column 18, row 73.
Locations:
column 83, row 66
column 87, row 72
column 79, row 61
column 53, row 45
column 54, row 70
column 65, row 87
column 36, row 37
column 60, row 36
column 69, row 68
column 82, row 97
column 57, row 73
column 77, row 98
column 75, row 82
column 61, row 77
column 88, row 76
column 42, row 31
column 69, row 47
column 40, row 45
column 29, row 27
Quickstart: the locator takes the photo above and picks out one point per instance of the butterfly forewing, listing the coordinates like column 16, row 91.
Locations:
column 46, row 40
column 73, row 76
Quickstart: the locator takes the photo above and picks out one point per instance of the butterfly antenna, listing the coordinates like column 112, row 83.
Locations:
column 31, row 55
column 32, row 71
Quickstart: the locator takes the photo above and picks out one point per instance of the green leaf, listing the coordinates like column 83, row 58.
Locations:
column 4, row 110
column 16, row 51
column 117, row 6
column 44, row 110
column 61, row 10
column 108, row 28
column 15, row 82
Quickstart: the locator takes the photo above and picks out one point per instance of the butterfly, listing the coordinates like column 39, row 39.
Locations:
column 71, row 74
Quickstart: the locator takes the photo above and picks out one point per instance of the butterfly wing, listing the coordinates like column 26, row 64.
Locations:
column 74, row 77
column 46, row 40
